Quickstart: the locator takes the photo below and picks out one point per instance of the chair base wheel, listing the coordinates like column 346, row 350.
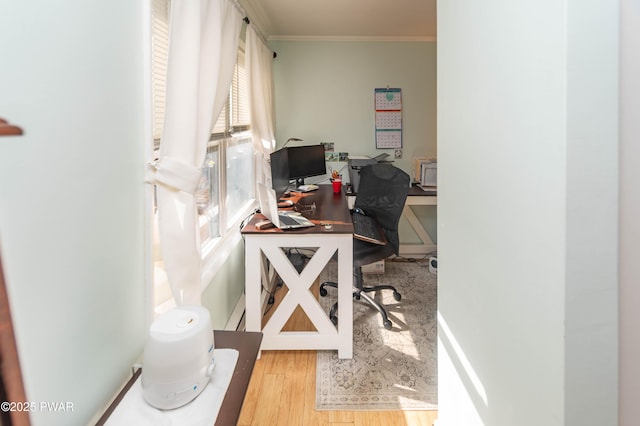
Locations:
column 324, row 285
column 358, row 294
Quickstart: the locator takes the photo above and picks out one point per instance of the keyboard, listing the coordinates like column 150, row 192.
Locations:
column 308, row 188
column 287, row 220
column 366, row 228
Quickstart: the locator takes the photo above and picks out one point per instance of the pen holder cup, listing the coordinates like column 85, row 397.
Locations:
column 337, row 185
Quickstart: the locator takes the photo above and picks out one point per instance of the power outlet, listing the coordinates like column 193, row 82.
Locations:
column 433, row 265
column 398, row 153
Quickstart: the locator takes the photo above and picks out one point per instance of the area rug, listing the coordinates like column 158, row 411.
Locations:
column 391, row 369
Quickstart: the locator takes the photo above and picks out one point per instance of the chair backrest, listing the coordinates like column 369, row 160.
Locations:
column 381, row 194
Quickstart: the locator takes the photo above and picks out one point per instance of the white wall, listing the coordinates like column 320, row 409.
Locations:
column 591, row 287
column 514, row 169
column 72, row 197
column 324, row 92
column 226, row 288
column 629, row 297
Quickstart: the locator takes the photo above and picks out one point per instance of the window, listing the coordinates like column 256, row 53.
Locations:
column 226, row 190
column 239, row 177
column 225, row 193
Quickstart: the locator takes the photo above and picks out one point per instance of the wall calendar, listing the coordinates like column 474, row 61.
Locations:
column 388, row 109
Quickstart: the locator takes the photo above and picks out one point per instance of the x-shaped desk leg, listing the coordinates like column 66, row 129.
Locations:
column 261, row 249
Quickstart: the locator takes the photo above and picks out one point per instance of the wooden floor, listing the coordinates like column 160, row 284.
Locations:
column 282, row 391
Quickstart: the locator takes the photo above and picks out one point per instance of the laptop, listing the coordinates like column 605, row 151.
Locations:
column 280, row 219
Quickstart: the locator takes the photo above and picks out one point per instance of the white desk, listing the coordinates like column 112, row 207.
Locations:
column 416, row 197
column 264, row 256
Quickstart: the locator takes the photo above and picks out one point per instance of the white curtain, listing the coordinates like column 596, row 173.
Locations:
column 261, row 102
column 203, row 46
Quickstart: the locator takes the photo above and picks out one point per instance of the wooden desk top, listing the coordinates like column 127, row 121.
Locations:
column 415, row 191
column 247, row 344
column 320, row 207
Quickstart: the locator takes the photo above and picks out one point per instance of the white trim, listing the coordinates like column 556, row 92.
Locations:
column 235, row 320
column 218, row 253
column 149, row 277
column 259, row 18
column 354, row 38
column 216, row 256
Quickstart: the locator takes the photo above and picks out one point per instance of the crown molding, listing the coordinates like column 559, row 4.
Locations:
column 257, row 16
column 354, row 38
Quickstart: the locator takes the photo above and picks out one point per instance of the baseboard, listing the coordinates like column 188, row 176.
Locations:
column 236, row 320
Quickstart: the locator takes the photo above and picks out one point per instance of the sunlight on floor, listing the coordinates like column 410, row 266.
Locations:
column 410, row 348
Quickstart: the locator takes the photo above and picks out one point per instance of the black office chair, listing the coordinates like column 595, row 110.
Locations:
column 381, row 194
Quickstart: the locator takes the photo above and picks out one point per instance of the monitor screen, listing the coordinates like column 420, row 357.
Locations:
column 306, row 161
column 280, row 171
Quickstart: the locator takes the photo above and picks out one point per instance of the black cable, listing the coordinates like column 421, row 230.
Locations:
column 248, row 218
column 271, row 300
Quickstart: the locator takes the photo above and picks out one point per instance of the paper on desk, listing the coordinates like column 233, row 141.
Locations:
column 134, row 410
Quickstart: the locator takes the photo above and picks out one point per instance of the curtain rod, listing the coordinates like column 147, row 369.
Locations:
column 257, row 30
column 248, row 21
column 237, row 6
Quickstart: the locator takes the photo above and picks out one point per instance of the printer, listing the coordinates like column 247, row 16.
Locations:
column 357, row 162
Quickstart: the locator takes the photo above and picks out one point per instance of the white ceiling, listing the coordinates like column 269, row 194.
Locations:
column 343, row 19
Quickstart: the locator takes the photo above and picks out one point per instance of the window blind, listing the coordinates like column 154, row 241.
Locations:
column 160, row 53
column 240, row 96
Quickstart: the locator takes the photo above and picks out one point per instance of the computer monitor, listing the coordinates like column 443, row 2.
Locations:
column 280, row 171
column 306, row 161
